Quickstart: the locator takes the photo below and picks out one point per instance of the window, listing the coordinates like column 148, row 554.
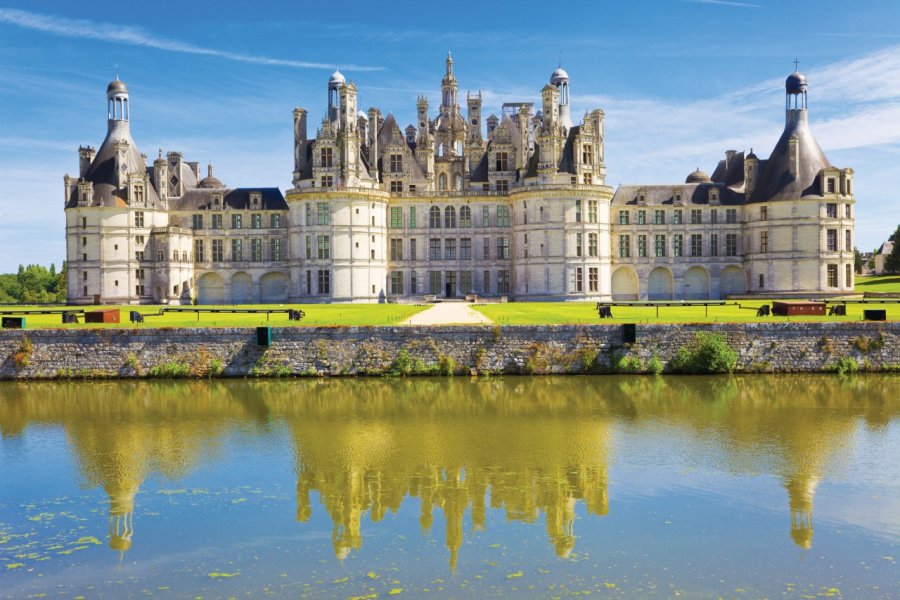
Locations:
column 255, row 221
column 486, row 282
column 199, row 251
column 660, row 245
column 412, row 217
column 396, row 249
column 677, row 217
column 502, row 185
column 465, row 249
column 642, row 217
column 309, row 288
column 174, row 255
column 714, row 244
column 502, row 281
column 196, row 221
column 502, row 162
column 847, row 207
column 731, row 244
column 237, row 221
column 413, row 255
column 434, row 249
column 84, row 220
column 160, row 256
column 323, row 247
column 396, row 186
column 396, row 163
column 309, row 218
column 579, row 239
column 396, row 283
column 450, row 249
column 592, row 244
column 434, row 217
column 465, row 216
column 218, row 250
column 696, row 244
column 486, row 250
column 847, row 239
column 502, row 216
column 763, row 213
column 831, row 210
column 138, row 219
column 502, row 247
column 593, row 279
column 326, row 156
column 84, row 241
column 678, row 245
column 396, row 217
column 696, row 216
column 848, row 276
column 275, row 221
column 763, row 241
column 309, row 254
column 731, row 215
column 184, row 256
column 237, row 250
column 642, row 246
column 256, row 249
column 324, row 282
column 579, row 279
column 578, row 211
column 830, row 185
column 323, row 214
column 659, row 217
column 449, row 217
column 413, row 283
column 587, row 154
column 831, row 240
column 592, row 211
column 275, row 249
column 217, row 221
column 485, row 216
column 762, row 281
column 832, row 275
column 465, row 281
column 588, row 179
column 442, row 182
column 714, row 216
column 139, row 255
column 412, row 189
column 434, row 281
column 624, row 246
column 623, row 217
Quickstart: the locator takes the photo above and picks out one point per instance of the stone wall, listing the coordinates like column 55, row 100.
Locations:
column 762, row 347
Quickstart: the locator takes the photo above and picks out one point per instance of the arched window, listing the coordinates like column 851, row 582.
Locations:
column 450, row 217
column 184, row 256
column 175, row 255
column 442, row 182
column 434, row 217
column 440, row 150
column 465, row 217
column 160, row 256
column 457, row 183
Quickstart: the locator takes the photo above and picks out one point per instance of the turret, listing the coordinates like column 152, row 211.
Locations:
column 560, row 79
column 422, row 110
column 473, row 118
column 299, row 142
column 550, row 105
column 449, row 88
column 118, row 110
column 334, row 99
column 161, row 173
column 751, row 168
column 86, row 156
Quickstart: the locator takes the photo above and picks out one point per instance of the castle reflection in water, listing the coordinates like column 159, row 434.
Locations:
column 529, row 447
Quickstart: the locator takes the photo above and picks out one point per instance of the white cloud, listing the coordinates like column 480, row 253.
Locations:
column 725, row 3
column 123, row 34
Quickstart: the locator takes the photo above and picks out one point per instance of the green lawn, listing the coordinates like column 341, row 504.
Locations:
column 879, row 283
column 539, row 313
column 316, row 314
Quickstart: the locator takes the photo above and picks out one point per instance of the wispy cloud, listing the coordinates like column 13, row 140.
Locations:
column 124, row 34
column 725, row 3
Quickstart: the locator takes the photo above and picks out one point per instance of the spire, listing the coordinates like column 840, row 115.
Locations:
column 449, row 64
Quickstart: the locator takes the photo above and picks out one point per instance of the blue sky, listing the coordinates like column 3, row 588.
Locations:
column 681, row 81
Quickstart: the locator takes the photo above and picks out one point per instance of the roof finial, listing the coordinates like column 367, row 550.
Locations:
column 209, row 169
column 796, row 64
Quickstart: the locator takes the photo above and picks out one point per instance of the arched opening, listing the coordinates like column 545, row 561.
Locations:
column 241, row 288
column 660, row 284
column 273, row 288
column 449, row 217
column 442, row 182
column 434, row 217
column 465, row 216
column 696, row 284
column 625, row 284
column 210, row 289
column 732, row 281
column 457, row 183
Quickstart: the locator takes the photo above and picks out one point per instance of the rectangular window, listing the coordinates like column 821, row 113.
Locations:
column 587, row 154
column 502, row 247
column 831, row 240
column 199, row 254
column 465, row 282
column 642, row 217
column 196, row 222
column 486, row 280
column 217, row 222
column 763, row 241
column 465, row 249
column 677, row 217
column 139, row 255
column 323, row 214
column 659, row 217
column 623, row 217
column 309, row 218
column 660, row 245
column 592, row 244
column 502, row 185
column 502, row 281
column 434, row 283
column 326, row 156
column 255, row 221
column 309, row 253
column 465, row 216
column 696, row 216
column 502, row 216
column 324, row 281
column 832, row 276
column 579, row 279
column 502, row 161
column 763, row 213
column 237, row 250
column 642, row 246
column 579, row 238
column 731, row 215
column 413, row 254
column 412, row 217
column 256, row 249
column 413, row 283
column 848, row 246
column 218, row 250
column 731, row 244
column 593, row 279
column 396, row 163
column 678, row 245
column 847, row 207
column 275, row 249
column 830, row 185
column 139, row 240
column 592, row 211
column 309, row 288
column 578, row 211
column 714, row 216
column 485, row 216
column 624, row 246
column 236, row 221
column 275, row 221
column 714, row 244
column 696, row 244
column 848, row 276
column 138, row 219
column 396, row 217
column 588, row 179
column 323, row 246
column 450, row 249
column 396, row 283
column 396, row 186
column 486, row 251
column 434, row 249
column 396, row 249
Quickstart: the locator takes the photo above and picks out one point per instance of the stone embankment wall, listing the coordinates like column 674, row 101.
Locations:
column 334, row 351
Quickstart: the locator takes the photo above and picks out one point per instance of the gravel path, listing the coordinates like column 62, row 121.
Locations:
column 448, row 313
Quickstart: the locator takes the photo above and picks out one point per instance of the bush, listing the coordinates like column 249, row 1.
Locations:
column 622, row 363
column 22, row 357
column 446, row 365
column 706, row 353
column 846, row 366
column 170, row 370
column 403, row 364
column 655, row 365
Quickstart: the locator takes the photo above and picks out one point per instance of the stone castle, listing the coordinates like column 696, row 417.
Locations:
column 516, row 206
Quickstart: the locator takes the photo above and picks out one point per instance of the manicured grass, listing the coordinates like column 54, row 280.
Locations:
column 878, row 283
column 546, row 313
column 316, row 314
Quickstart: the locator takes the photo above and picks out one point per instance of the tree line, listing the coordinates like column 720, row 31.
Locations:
column 34, row 284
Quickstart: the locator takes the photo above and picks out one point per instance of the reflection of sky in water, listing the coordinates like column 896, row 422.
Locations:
column 526, row 487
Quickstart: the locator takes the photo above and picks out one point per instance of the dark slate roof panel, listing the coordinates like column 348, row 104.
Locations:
column 236, row 199
column 662, row 195
column 776, row 182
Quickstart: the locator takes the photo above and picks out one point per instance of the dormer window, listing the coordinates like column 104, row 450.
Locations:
column 217, row 201
column 830, row 185
column 139, row 194
column 677, row 197
column 713, row 195
column 255, row 199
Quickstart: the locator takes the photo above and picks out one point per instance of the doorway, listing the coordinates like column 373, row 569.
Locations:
column 450, row 284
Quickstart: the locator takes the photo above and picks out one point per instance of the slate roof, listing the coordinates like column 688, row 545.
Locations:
column 662, row 195
column 236, row 199
column 776, row 182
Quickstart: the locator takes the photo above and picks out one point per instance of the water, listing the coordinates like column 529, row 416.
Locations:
column 516, row 487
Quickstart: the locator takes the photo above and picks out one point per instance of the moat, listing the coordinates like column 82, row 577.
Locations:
column 506, row 487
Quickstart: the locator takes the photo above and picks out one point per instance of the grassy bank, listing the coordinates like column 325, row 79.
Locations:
column 879, row 283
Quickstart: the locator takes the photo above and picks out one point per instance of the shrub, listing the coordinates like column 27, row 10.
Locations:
column 623, row 363
column 655, row 365
column 170, row 370
column 446, row 365
column 706, row 353
column 845, row 366
column 22, row 357
column 403, row 364
column 215, row 367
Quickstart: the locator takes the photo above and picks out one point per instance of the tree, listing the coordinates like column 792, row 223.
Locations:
column 857, row 261
column 892, row 260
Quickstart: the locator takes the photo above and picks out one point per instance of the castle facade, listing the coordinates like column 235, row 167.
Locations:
column 513, row 205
